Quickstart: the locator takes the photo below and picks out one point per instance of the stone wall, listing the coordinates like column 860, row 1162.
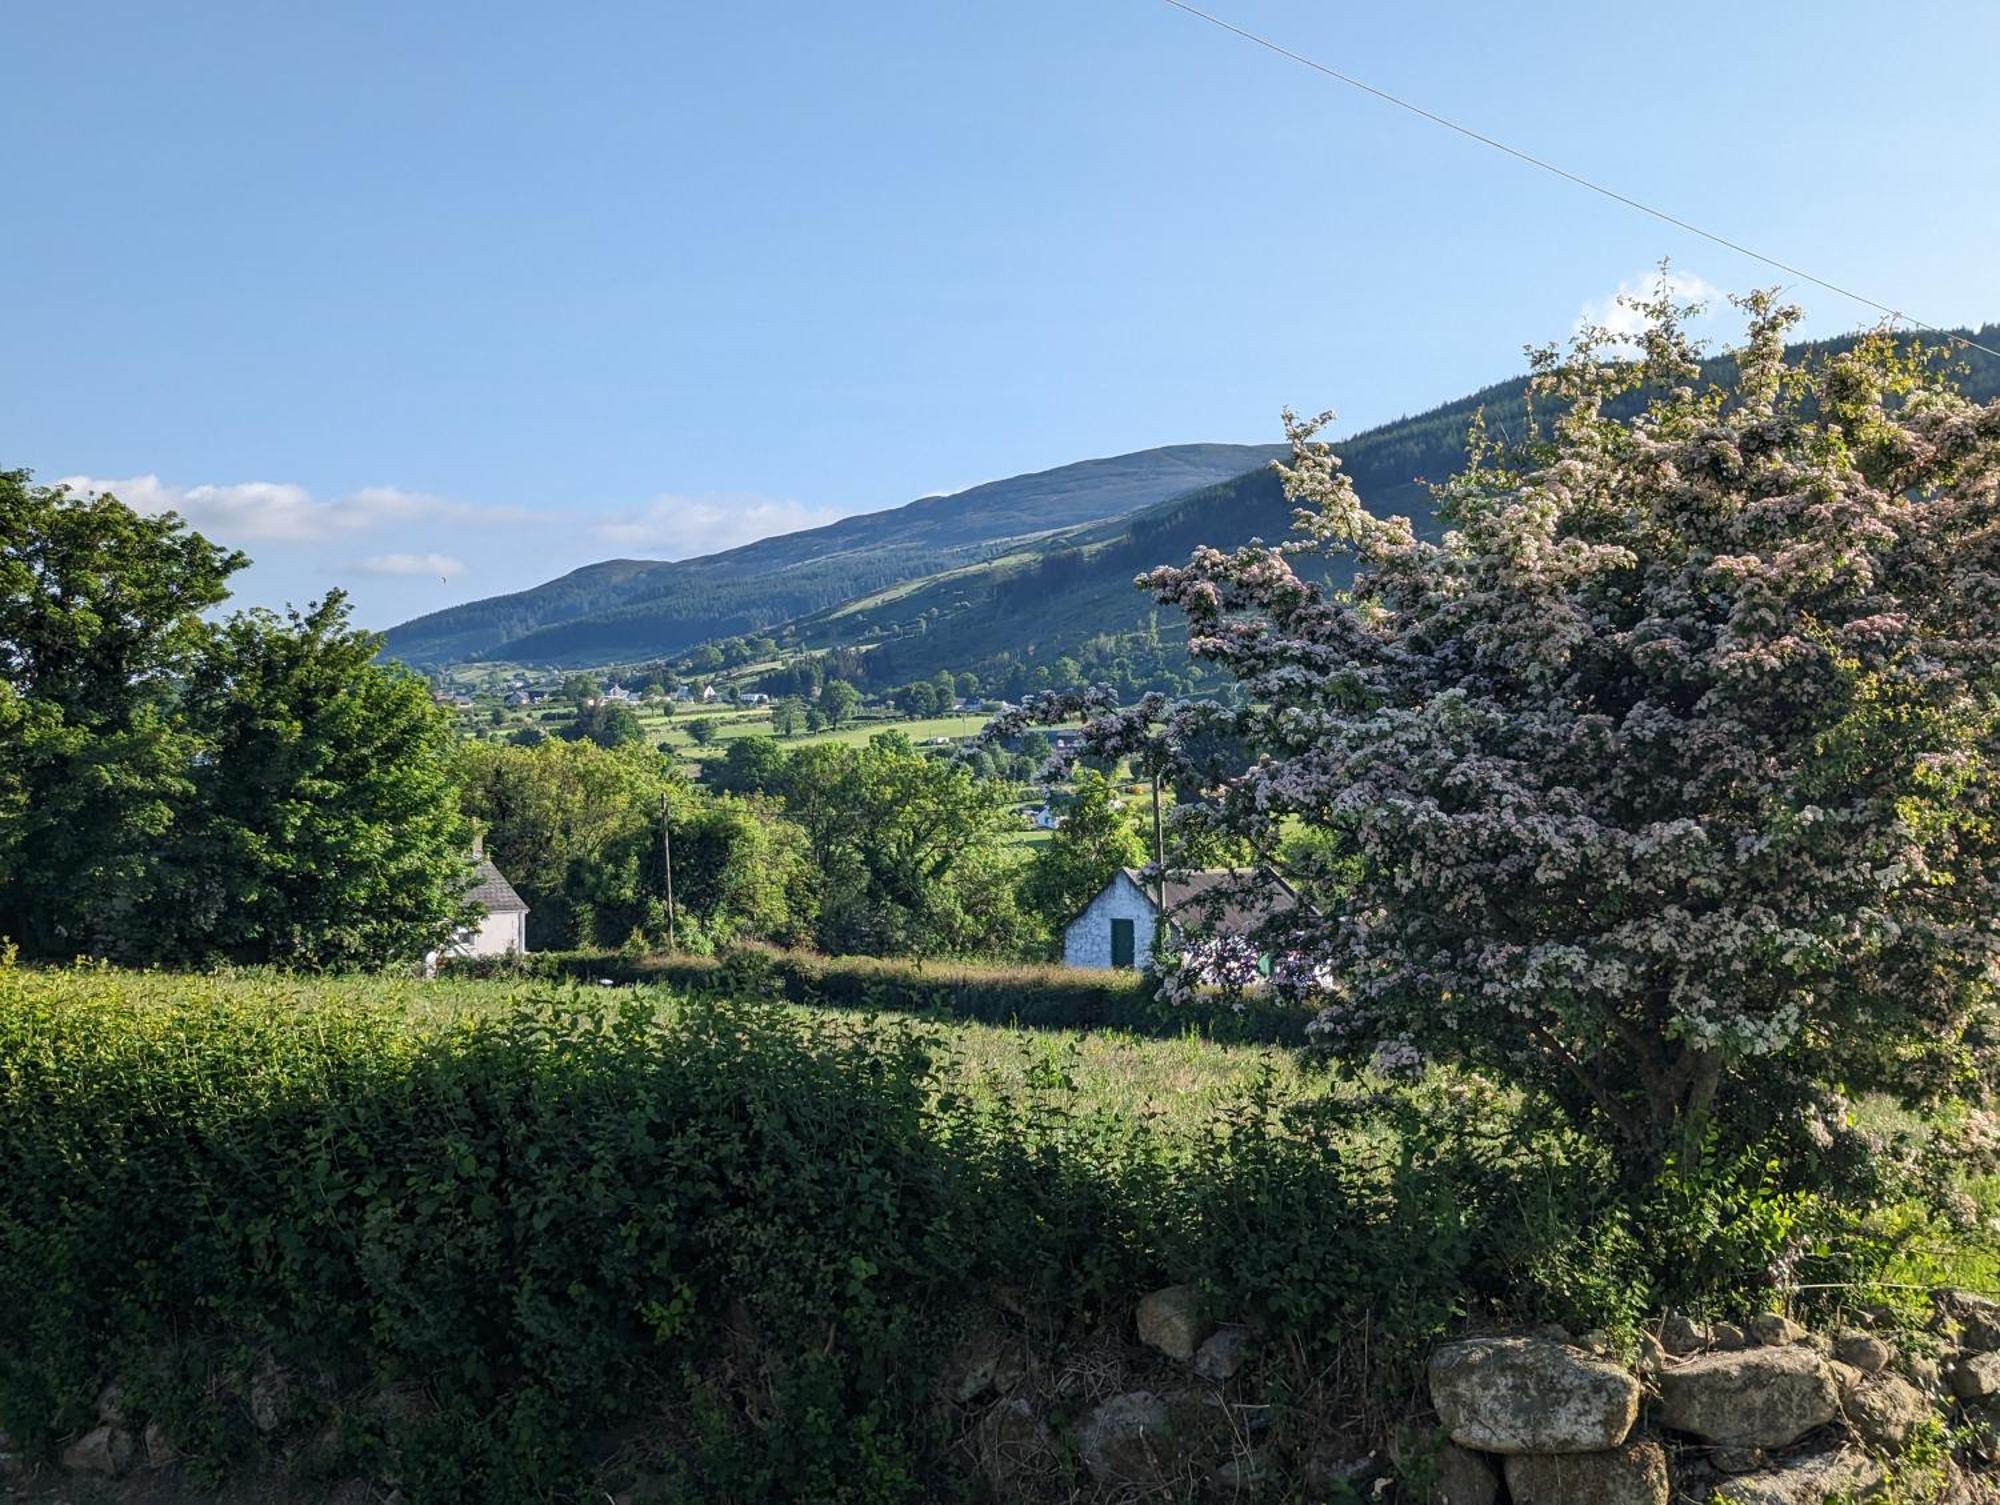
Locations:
column 1762, row 1413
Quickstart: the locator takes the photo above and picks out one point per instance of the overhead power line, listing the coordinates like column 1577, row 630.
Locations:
column 1577, row 178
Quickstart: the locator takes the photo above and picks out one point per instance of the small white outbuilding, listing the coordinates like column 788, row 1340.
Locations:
column 1115, row 929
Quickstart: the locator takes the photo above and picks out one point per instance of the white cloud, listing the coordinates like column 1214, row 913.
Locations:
column 1615, row 313
column 442, row 565
column 682, row 525
column 402, row 553
column 281, row 512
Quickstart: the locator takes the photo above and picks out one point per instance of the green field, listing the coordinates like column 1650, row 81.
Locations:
column 1181, row 1079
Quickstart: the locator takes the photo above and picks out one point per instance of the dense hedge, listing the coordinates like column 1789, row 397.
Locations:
column 1036, row 997
column 710, row 1252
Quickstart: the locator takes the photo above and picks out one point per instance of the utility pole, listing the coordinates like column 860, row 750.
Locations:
column 1159, row 845
column 667, row 862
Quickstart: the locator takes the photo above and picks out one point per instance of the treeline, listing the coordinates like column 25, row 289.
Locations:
column 876, row 849
column 183, row 791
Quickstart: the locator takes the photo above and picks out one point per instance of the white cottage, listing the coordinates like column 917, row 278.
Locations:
column 1116, row 928
column 503, row 917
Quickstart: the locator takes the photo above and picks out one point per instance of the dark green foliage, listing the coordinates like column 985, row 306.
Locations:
column 99, row 609
column 1093, row 842
column 177, row 790
column 839, row 700
column 906, row 848
column 576, row 829
column 741, row 1232
column 322, row 828
column 608, row 723
column 1034, row 996
column 752, row 765
column 629, row 608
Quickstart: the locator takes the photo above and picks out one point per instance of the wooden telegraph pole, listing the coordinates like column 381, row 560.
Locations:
column 1159, row 845
column 667, row 862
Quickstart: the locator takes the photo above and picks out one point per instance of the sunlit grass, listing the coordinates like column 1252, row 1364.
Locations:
column 1179, row 1080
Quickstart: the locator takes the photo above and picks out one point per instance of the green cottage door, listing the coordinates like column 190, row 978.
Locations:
column 1121, row 943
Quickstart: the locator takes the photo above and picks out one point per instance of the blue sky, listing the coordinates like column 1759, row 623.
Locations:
column 436, row 301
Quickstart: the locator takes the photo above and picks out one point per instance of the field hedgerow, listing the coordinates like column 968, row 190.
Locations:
column 500, row 1246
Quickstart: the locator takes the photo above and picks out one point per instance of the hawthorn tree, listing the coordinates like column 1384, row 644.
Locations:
column 1663, row 783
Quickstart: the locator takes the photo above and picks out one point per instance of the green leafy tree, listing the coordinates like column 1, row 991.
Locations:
column 576, row 828
column 917, row 701
column 567, row 822
column 323, row 827
column 1095, row 840
column 581, row 689
column 701, row 730
column 751, row 765
column 100, row 613
column 609, row 723
column 839, row 700
column 908, row 849
column 785, row 717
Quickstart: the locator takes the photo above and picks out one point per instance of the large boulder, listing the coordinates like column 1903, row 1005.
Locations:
column 1847, row 1475
column 1976, row 1318
column 1762, row 1397
column 1885, row 1411
column 1864, row 1351
column 1170, row 1320
column 1976, row 1377
column 1529, row 1395
column 1775, row 1330
column 1246, row 1473
column 1635, row 1474
column 1681, row 1335
column 986, row 1361
column 1129, row 1439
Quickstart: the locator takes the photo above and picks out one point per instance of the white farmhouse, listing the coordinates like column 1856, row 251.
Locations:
column 1116, row 928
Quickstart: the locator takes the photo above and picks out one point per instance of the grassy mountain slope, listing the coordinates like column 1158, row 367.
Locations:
column 1046, row 599
column 634, row 608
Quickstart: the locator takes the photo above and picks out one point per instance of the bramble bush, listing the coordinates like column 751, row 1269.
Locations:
column 742, row 1229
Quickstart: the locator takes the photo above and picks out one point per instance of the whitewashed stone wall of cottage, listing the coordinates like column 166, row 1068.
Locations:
column 495, row 935
column 1087, row 941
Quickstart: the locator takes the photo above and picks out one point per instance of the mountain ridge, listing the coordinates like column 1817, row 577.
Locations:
column 1035, row 594
column 655, row 607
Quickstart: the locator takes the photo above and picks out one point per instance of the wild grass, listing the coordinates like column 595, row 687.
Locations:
column 1176, row 1082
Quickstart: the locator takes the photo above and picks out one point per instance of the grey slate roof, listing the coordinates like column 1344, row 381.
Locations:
column 491, row 892
column 1189, row 894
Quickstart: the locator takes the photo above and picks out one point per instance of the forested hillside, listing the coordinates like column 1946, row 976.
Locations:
column 633, row 608
column 1065, row 594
